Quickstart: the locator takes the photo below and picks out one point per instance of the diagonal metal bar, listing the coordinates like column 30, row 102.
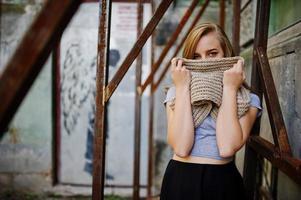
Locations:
column 195, row 21
column 169, row 44
column 136, row 48
column 287, row 164
column 31, row 54
column 99, row 145
column 274, row 110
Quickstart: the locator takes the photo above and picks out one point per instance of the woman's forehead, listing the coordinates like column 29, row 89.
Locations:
column 208, row 42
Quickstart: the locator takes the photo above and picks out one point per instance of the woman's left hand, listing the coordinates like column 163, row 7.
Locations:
column 235, row 76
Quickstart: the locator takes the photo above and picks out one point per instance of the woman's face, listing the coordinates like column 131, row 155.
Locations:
column 208, row 47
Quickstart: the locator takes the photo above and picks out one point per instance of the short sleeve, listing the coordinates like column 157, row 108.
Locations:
column 170, row 95
column 255, row 102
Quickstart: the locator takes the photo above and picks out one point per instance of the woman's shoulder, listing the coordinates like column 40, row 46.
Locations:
column 254, row 97
column 255, row 102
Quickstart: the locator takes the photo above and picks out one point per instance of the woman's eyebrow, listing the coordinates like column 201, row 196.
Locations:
column 214, row 49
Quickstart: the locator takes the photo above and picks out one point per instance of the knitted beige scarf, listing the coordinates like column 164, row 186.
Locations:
column 206, row 87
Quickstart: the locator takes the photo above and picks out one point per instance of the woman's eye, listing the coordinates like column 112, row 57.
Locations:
column 196, row 57
column 212, row 54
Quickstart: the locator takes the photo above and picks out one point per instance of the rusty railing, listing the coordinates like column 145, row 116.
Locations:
column 279, row 154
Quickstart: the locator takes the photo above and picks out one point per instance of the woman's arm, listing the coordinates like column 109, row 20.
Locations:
column 232, row 132
column 180, row 129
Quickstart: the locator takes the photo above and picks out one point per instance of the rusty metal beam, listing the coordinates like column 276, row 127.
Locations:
column 236, row 26
column 273, row 106
column 56, row 114
column 252, row 170
column 280, row 154
column 170, row 42
column 137, row 139
column 136, row 48
column 195, row 21
column 222, row 14
column 31, row 54
column 274, row 182
column 151, row 119
column 150, row 143
column 99, row 145
column 290, row 166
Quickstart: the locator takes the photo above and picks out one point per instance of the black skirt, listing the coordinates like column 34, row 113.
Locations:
column 191, row 181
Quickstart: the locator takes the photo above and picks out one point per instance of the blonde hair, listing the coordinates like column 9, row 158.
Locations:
column 198, row 32
column 203, row 29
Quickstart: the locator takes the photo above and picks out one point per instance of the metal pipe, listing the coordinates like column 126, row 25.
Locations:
column 195, row 21
column 273, row 106
column 56, row 113
column 151, row 117
column 30, row 55
column 169, row 44
column 99, row 147
column 236, row 26
column 289, row 165
column 137, row 48
column 222, row 14
column 251, row 163
column 137, row 140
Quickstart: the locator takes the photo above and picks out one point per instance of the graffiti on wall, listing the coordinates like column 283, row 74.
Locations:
column 77, row 86
column 78, row 79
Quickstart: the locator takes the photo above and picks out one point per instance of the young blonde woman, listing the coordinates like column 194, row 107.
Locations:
column 202, row 166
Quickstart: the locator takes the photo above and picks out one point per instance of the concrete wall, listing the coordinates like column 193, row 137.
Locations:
column 25, row 150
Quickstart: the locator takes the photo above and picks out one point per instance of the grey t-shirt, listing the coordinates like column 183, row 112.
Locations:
column 205, row 134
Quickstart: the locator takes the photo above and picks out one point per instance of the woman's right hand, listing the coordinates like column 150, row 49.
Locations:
column 180, row 75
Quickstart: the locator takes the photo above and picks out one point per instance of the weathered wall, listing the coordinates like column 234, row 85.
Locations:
column 284, row 58
column 25, row 151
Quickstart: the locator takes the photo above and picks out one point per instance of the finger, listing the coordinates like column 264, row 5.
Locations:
column 242, row 60
column 239, row 65
column 184, row 68
column 180, row 63
column 244, row 75
column 174, row 60
column 234, row 67
column 174, row 63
